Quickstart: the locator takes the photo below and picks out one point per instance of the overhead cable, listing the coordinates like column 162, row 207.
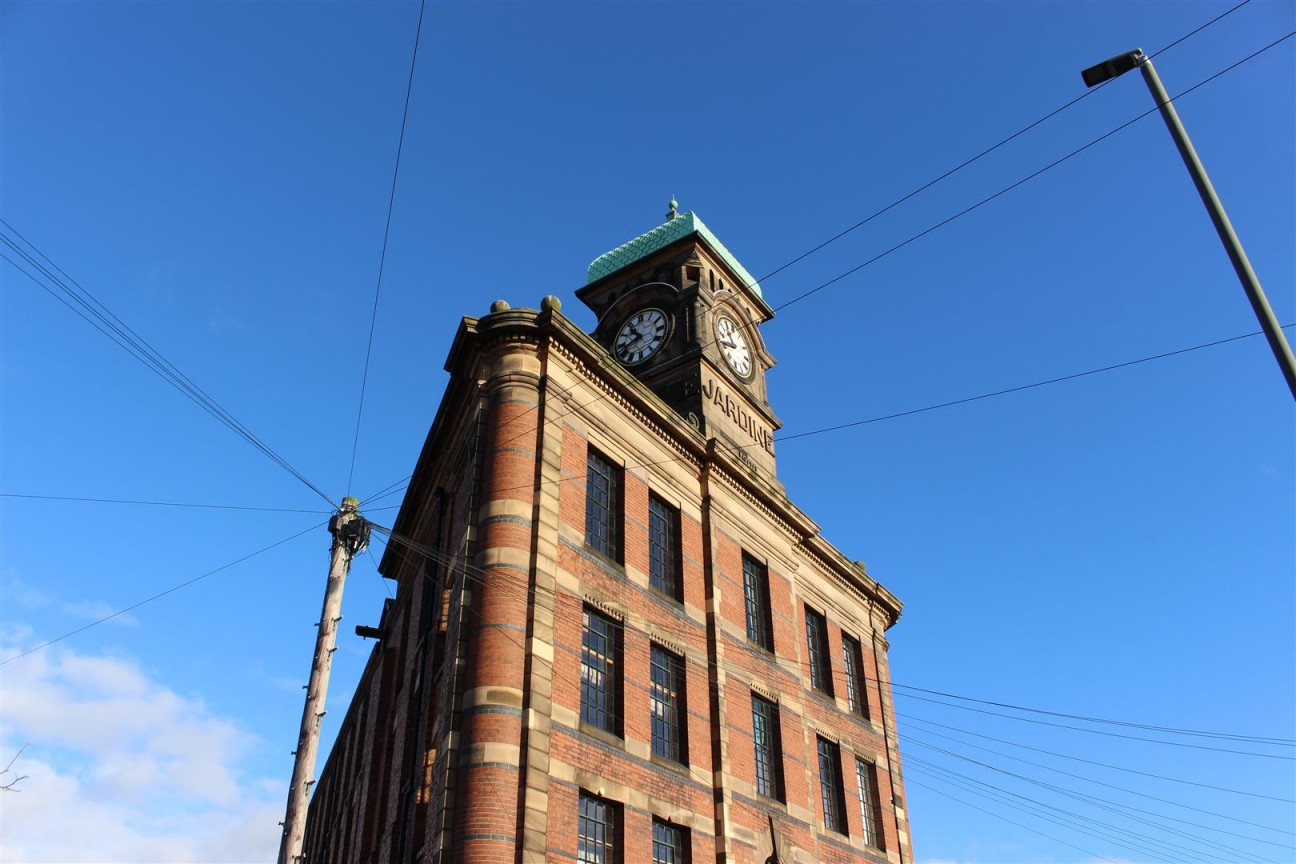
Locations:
column 970, row 209
column 981, row 155
column 479, row 575
column 1124, row 838
column 1250, row 753
column 928, row 185
column 1253, row 739
column 160, row 594
column 1003, row 818
column 1112, row 786
column 382, row 258
column 1119, row 809
column 1029, row 177
column 1180, row 780
column 99, row 316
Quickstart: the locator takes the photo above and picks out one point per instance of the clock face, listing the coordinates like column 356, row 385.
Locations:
column 733, row 346
column 640, row 337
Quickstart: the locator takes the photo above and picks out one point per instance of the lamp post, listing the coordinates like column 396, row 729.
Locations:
column 1119, row 65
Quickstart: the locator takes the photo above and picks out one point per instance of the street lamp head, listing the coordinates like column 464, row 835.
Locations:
column 1112, row 68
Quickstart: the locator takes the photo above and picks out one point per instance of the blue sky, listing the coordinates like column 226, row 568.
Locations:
column 1118, row 546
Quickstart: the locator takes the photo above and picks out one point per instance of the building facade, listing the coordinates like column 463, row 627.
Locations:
column 614, row 638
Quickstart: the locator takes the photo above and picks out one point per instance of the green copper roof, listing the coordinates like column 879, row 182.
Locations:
column 659, row 238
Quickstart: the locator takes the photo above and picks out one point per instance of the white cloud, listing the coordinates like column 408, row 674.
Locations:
column 122, row 768
column 98, row 610
column 23, row 595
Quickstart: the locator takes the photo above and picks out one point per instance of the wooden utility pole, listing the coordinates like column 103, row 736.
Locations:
column 350, row 536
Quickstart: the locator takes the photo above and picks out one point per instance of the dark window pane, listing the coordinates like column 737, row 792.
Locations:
column 853, row 662
column 756, row 595
column 817, row 644
column 830, row 787
column 667, row 704
column 603, row 505
column 670, row 843
column 596, row 832
column 663, row 547
column 600, row 672
column 870, row 815
column 769, row 750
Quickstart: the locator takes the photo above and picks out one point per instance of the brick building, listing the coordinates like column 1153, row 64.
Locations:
column 614, row 638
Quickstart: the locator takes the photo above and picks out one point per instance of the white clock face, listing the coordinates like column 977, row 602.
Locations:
column 733, row 346
column 640, row 337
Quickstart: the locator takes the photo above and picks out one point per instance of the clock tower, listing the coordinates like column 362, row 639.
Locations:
column 679, row 312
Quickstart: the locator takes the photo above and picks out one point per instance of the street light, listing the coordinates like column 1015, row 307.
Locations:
column 1119, row 65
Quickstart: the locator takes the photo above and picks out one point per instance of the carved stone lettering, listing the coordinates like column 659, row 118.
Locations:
column 741, row 419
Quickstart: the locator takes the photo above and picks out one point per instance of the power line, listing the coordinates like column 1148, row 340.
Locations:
column 385, row 491
column 892, row 416
column 378, row 573
column 982, row 154
column 531, row 594
column 974, row 207
column 925, row 721
column 479, row 575
column 1058, row 380
column 1254, row 739
column 157, row 503
column 1087, row 825
column 1090, row 800
column 981, row 203
column 160, row 594
column 1103, row 732
column 1010, row 821
column 921, row 743
column 391, row 488
column 99, row 316
column 382, row 258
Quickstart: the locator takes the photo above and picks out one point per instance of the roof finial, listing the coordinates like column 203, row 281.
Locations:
column 674, row 209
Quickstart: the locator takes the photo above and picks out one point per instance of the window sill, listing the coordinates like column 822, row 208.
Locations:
column 603, row 559
column 602, row 734
column 667, row 762
column 828, row 700
column 667, row 597
column 781, row 806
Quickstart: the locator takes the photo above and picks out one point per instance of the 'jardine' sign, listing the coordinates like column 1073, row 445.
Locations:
column 732, row 408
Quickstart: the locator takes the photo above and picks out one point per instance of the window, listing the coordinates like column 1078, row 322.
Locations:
column 600, row 672
column 603, row 505
column 667, row 704
column 817, row 644
column 596, row 832
column 853, row 662
column 756, row 594
column 663, row 548
column 870, row 815
column 769, row 748
column 830, row 787
column 670, row 843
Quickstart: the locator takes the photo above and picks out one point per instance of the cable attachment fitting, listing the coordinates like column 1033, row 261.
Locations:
column 349, row 528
